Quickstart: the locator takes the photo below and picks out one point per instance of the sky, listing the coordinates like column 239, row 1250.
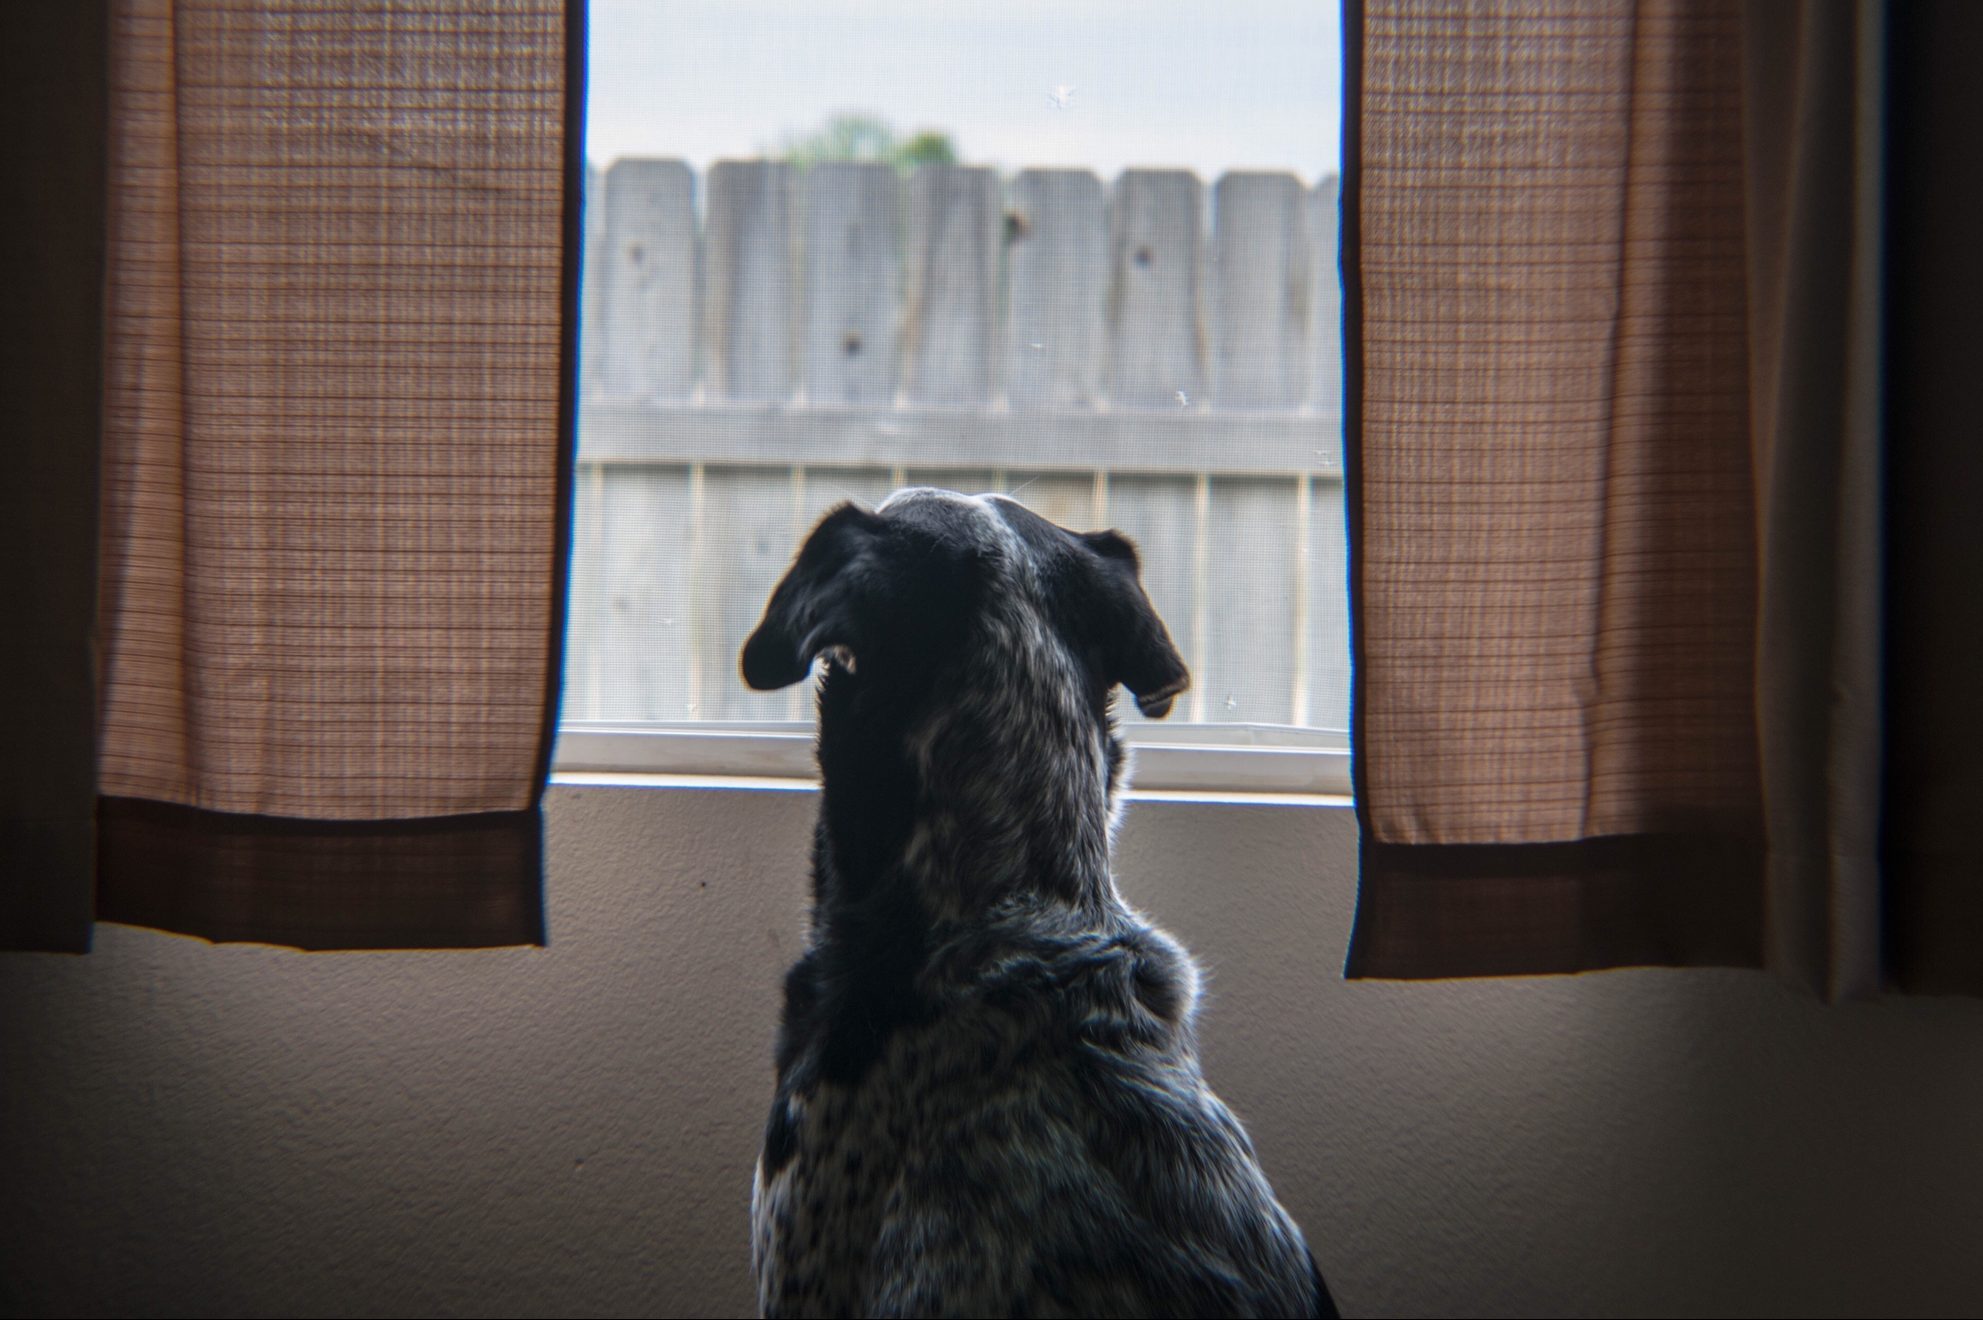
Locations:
column 1096, row 84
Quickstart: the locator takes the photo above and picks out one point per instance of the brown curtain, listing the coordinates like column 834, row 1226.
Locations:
column 53, row 78
column 1812, row 83
column 336, row 465
column 1614, row 297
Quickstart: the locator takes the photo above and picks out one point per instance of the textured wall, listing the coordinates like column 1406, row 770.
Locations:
column 235, row 1130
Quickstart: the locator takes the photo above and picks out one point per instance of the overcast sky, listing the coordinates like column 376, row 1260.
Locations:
column 1229, row 84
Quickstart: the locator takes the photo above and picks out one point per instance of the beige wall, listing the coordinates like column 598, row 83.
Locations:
column 188, row 1128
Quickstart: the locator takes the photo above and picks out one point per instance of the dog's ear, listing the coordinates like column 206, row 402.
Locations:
column 1137, row 648
column 815, row 607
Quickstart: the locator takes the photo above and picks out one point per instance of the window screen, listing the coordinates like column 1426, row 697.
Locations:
column 1083, row 254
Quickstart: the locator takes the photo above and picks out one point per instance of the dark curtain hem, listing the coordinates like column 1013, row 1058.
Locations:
column 451, row 882
column 1648, row 900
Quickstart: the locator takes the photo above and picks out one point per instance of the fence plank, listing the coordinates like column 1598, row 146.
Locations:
column 1056, row 245
column 1325, row 318
column 826, row 487
column 1260, row 291
column 1328, row 609
column 1156, row 339
column 1060, row 497
column 641, row 635
column 1251, row 604
column 748, row 325
column 585, row 612
column 748, row 540
column 952, row 285
column 645, row 348
column 968, row 481
column 852, row 283
column 1159, row 515
column 592, row 286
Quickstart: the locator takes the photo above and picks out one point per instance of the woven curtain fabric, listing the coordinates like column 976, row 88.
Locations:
column 1554, row 489
column 335, row 461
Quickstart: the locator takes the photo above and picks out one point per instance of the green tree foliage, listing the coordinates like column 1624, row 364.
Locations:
column 926, row 148
column 866, row 137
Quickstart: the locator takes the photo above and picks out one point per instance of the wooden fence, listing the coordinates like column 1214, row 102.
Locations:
column 1127, row 356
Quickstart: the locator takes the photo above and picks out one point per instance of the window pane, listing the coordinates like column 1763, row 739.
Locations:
column 1084, row 254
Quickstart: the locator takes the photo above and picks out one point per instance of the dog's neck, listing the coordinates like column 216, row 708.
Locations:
column 991, row 784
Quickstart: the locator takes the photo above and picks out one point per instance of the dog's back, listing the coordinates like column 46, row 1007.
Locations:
column 989, row 1099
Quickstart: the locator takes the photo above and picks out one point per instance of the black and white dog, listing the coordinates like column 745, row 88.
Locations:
column 989, row 1099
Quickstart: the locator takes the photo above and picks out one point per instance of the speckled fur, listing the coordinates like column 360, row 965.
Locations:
column 988, row 1096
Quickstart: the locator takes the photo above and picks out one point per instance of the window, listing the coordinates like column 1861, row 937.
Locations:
column 1081, row 254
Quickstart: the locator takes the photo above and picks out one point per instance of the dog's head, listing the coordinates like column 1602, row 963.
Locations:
column 912, row 593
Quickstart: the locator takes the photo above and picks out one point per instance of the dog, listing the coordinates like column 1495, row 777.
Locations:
column 988, row 1093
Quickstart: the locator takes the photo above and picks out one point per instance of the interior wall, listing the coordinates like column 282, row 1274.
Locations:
column 570, row 1130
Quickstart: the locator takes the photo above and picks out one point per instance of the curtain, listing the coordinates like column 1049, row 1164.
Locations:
column 1932, row 860
column 1812, row 87
column 1617, row 314
column 336, row 473
column 52, row 85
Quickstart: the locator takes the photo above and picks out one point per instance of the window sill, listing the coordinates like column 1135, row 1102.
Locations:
column 1202, row 762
